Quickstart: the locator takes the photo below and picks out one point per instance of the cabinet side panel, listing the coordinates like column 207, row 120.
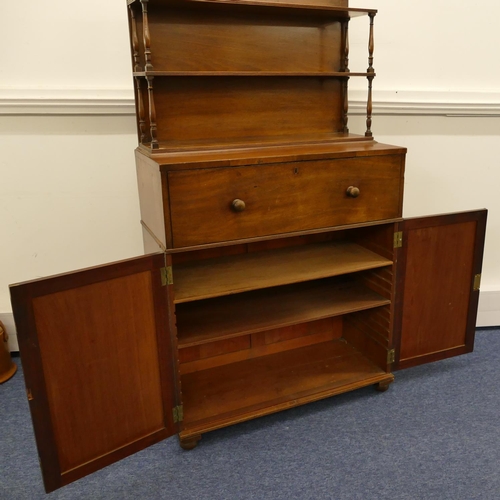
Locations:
column 153, row 215
column 441, row 256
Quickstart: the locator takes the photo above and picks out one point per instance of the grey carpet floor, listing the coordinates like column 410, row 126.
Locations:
column 435, row 434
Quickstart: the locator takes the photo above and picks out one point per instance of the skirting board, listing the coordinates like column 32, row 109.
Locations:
column 488, row 315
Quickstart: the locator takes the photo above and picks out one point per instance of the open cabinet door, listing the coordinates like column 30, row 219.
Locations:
column 438, row 274
column 98, row 365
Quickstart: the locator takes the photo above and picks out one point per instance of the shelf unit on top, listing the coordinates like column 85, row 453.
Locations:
column 191, row 59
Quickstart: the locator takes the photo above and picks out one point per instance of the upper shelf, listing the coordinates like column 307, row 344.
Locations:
column 339, row 74
column 245, row 272
column 300, row 7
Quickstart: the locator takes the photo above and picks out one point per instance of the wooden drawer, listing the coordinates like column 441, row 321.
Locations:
column 281, row 198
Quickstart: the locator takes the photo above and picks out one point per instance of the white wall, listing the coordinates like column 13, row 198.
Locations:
column 68, row 196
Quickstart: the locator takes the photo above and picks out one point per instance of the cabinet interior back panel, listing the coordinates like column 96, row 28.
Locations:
column 206, row 41
column 234, row 107
column 314, row 371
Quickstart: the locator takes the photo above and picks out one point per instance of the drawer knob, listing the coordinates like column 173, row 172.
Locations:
column 238, row 205
column 353, row 191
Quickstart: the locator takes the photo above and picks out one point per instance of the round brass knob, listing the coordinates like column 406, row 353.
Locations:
column 238, row 205
column 353, row 191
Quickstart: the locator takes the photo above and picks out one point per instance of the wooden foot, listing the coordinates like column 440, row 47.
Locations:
column 190, row 442
column 383, row 386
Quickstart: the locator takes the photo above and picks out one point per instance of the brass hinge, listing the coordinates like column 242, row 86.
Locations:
column 178, row 412
column 167, row 277
column 391, row 356
column 398, row 239
column 477, row 282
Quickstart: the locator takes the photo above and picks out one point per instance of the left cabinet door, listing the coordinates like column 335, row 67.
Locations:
column 98, row 363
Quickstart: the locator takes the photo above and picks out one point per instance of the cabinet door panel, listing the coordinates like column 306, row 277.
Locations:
column 437, row 299
column 97, row 363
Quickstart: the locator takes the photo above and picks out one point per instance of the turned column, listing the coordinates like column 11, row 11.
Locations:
column 370, row 77
column 137, row 67
column 152, row 113
column 148, row 66
column 345, row 68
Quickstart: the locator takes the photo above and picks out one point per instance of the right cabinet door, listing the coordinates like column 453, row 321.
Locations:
column 438, row 274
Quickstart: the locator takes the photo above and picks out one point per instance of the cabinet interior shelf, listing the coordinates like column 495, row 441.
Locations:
column 251, row 271
column 230, row 316
column 266, row 384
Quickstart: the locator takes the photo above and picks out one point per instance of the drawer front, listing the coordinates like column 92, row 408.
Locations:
column 221, row 204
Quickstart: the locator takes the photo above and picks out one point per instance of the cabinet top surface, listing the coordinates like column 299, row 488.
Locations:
column 271, row 154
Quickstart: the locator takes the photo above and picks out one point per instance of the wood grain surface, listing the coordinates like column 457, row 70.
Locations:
column 240, row 273
column 281, row 198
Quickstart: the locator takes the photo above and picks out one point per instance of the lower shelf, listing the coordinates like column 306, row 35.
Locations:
column 255, row 387
column 249, row 143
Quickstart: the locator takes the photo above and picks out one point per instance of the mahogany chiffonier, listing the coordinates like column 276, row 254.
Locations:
column 279, row 270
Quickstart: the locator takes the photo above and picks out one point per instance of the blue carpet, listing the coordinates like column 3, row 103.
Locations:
column 434, row 434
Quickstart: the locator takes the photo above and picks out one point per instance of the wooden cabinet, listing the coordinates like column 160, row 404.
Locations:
column 279, row 269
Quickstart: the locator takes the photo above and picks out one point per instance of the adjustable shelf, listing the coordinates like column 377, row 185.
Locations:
column 241, row 273
column 231, row 316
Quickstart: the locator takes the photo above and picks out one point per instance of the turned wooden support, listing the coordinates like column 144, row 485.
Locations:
column 383, row 386
column 152, row 114
column 140, row 111
column 148, row 66
column 345, row 48
column 369, row 109
column 345, row 111
column 371, row 75
column 190, row 442
column 371, row 45
column 135, row 40
column 345, row 68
